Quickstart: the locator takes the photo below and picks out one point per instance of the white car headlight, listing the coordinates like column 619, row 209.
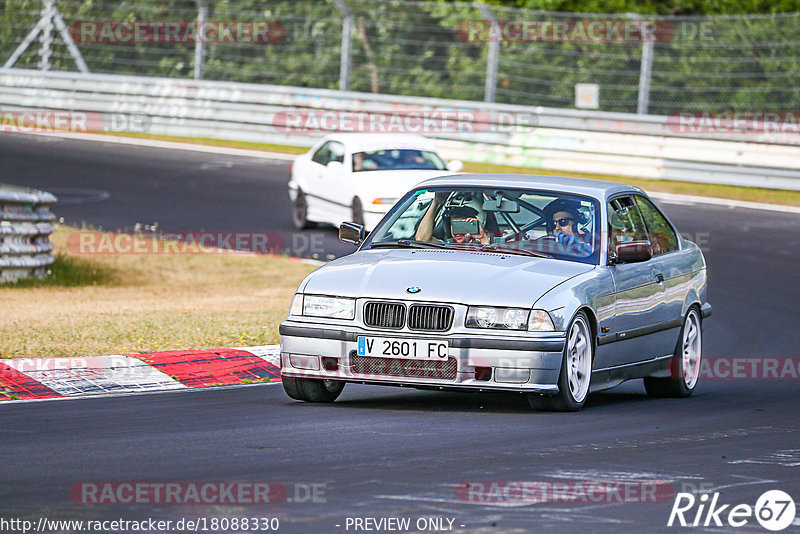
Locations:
column 540, row 321
column 332, row 307
column 296, row 308
column 498, row 318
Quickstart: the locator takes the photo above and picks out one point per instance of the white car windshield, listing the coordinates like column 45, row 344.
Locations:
column 514, row 221
column 383, row 160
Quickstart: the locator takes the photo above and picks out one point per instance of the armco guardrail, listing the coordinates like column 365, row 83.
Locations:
column 26, row 223
column 645, row 146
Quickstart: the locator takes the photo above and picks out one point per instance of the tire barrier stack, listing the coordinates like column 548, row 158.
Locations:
column 26, row 223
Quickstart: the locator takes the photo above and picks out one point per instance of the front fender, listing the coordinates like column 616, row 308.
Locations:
column 593, row 290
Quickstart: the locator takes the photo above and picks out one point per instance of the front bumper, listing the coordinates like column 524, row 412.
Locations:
column 487, row 362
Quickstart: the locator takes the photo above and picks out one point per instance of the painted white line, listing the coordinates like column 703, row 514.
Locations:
column 172, row 145
column 94, row 375
column 79, row 377
column 136, row 393
column 673, row 198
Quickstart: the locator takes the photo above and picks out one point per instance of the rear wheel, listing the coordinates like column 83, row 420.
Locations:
column 312, row 389
column 300, row 211
column 576, row 370
column 685, row 365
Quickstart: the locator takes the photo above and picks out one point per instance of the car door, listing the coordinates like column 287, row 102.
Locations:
column 324, row 178
column 638, row 294
column 673, row 267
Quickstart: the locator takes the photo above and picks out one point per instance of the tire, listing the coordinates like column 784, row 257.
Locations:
column 358, row 212
column 576, row 370
column 312, row 390
column 300, row 211
column 685, row 364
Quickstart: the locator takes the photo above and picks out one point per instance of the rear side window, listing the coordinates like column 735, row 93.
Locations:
column 662, row 236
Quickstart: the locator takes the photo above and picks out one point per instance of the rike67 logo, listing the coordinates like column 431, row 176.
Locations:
column 774, row 510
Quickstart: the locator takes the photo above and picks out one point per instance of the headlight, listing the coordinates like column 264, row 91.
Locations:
column 296, row 307
column 332, row 307
column 498, row 318
column 540, row 321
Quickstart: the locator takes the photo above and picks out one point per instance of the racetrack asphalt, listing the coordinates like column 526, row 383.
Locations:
column 387, row 452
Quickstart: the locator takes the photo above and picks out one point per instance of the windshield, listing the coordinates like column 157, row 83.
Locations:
column 384, row 160
column 508, row 221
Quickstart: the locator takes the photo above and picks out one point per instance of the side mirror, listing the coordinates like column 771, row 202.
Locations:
column 455, row 165
column 352, row 233
column 633, row 252
column 335, row 165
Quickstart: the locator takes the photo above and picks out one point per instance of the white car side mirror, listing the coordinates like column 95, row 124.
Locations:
column 455, row 165
column 335, row 165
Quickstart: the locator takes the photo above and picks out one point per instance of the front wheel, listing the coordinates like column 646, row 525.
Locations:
column 311, row 389
column 576, row 370
column 685, row 365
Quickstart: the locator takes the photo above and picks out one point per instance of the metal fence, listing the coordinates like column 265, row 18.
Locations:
column 644, row 146
column 470, row 51
column 25, row 226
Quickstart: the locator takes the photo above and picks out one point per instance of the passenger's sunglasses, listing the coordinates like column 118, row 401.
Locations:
column 563, row 221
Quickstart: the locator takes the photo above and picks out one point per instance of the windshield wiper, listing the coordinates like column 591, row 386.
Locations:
column 494, row 247
column 408, row 243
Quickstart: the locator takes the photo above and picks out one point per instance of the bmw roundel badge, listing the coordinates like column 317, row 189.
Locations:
column 413, row 289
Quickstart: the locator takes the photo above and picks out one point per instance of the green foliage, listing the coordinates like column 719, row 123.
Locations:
column 658, row 7
column 417, row 48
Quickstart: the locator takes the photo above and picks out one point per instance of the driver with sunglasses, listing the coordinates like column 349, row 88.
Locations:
column 561, row 221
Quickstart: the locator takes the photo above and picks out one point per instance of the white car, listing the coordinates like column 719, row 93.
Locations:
column 358, row 177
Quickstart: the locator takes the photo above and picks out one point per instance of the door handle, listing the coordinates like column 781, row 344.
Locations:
column 659, row 278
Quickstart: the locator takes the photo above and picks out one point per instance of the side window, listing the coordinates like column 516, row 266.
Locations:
column 662, row 236
column 323, row 154
column 625, row 222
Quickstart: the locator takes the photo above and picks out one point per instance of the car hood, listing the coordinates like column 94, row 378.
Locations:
column 393, row 184
column 476, row 278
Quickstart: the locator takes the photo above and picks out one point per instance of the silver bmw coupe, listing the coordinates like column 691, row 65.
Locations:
column 552, row 287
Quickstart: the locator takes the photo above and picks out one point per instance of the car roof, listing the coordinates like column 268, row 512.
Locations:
column 562, row 184
column 360, row 142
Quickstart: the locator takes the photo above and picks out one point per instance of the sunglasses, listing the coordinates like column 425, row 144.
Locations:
column 563, row 221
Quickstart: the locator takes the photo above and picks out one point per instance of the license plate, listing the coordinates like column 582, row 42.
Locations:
column 416, row 349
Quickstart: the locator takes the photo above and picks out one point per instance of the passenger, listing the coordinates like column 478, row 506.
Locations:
column 452, row 214
column 358, row 161
column 361, row 162
column 467, row 214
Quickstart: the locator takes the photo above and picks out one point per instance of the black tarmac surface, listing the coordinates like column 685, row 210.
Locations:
column 385, row 452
